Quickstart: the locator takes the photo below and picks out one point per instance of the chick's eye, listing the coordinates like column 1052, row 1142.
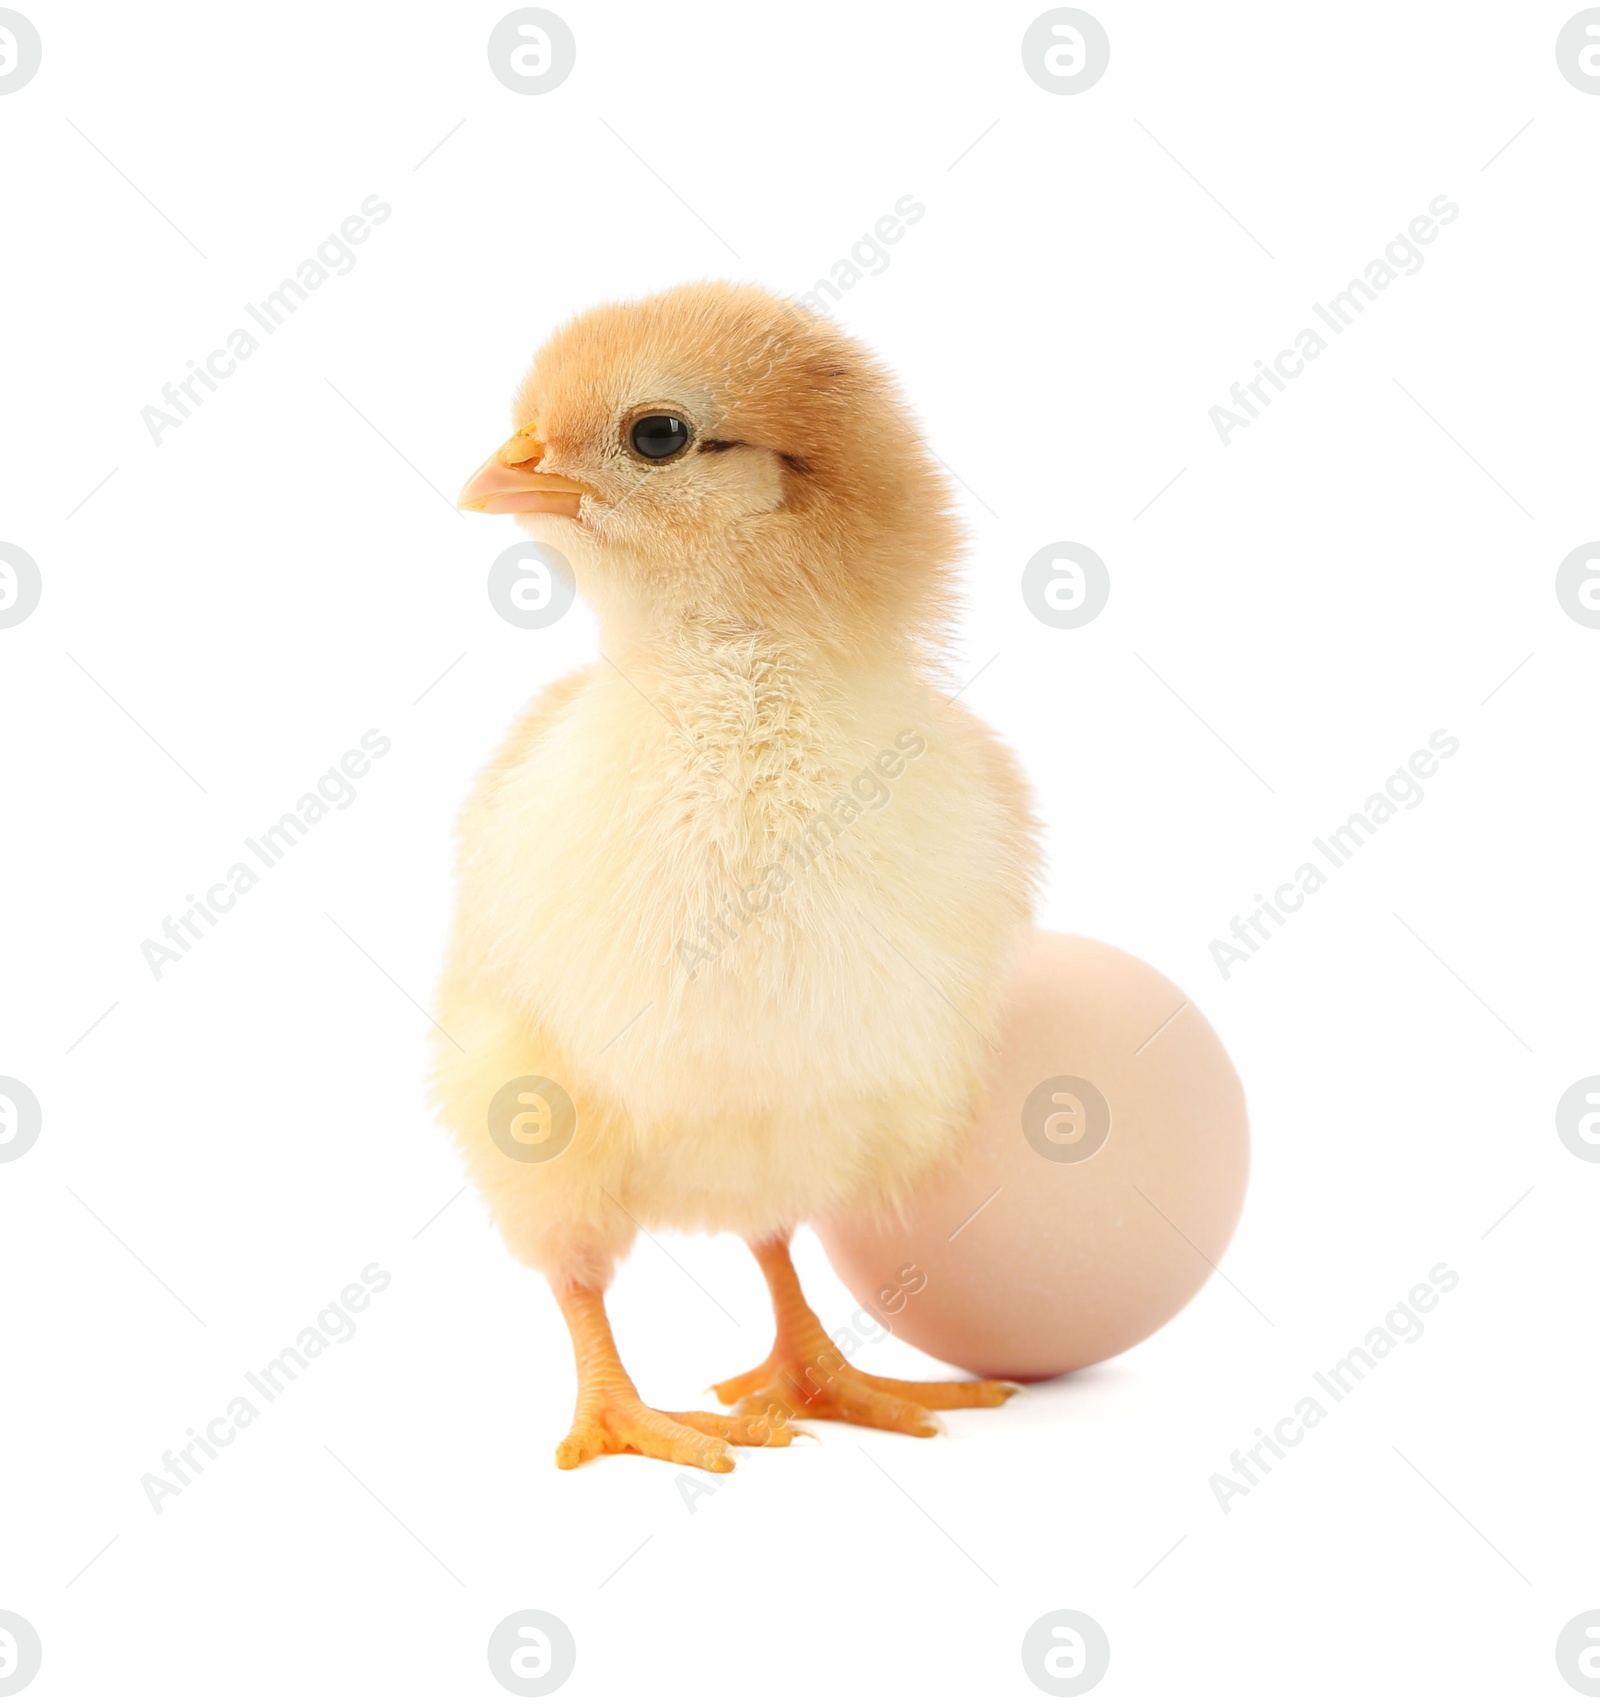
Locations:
column 657, row 437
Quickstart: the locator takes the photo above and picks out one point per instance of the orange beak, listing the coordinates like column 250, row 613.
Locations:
column 510, row 484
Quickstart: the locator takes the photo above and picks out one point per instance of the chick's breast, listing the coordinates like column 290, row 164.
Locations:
column 757, row 936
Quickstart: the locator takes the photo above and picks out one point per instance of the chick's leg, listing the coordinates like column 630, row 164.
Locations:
column 611, row 1417
column 806, row 1374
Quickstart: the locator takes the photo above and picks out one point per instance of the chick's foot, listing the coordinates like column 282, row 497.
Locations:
column 611, row 1417
column 624, row 1423
column 806, row 1374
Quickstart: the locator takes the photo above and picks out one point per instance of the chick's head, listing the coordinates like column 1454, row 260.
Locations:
column 719, row 454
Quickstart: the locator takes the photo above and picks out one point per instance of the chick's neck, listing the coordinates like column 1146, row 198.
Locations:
column 683, row 657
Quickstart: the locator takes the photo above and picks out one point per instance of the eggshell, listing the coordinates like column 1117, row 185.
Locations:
column 1097, row 1190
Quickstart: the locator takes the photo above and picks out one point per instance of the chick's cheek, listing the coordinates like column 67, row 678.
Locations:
column 749, row 481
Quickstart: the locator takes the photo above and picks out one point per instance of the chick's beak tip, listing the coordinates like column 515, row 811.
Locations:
column 510, row 483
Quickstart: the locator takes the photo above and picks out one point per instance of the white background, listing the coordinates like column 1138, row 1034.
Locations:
column 285, row 571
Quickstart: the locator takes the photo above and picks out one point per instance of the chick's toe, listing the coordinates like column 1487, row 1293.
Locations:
column 624, row 1424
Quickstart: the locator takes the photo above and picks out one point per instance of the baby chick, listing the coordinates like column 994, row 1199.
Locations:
column 734, row 900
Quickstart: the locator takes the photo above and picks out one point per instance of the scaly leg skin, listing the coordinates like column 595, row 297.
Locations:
column 611, row 1417
column 805, row 1372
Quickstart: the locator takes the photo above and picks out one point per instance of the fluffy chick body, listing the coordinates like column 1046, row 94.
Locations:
column 760, row 956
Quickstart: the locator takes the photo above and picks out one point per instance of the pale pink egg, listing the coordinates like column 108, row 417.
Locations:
column 1095, row 1193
